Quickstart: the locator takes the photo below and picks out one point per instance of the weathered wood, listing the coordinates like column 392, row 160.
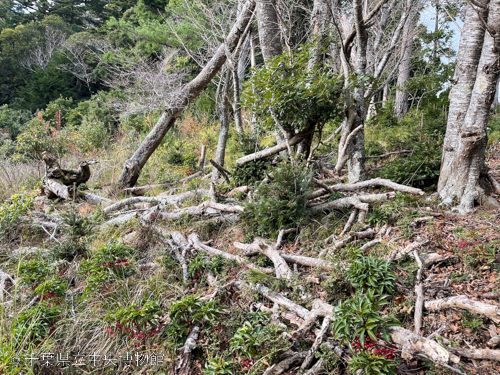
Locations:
column 280, row 265
column 359, row 201
column 413, row 344
column 183, row 368
column 198, row 245
column 317, row 342
column 269, row 151
column 141, row 190
column 489, row 354
column 419, row 292
column 465, row 303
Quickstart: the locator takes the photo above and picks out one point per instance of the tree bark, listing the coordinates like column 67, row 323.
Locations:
column 401, row 101
column 133, row 166
column 463, row 171
column 269, row 30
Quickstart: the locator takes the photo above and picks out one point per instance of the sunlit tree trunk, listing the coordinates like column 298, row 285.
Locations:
column 269, row 30
column 462, row 182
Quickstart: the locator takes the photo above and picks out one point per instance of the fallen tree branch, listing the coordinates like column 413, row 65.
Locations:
column 489, row 354
column 280, row 265
column 464, row 302
column 408, row 249
column 284, row 365
column 141, row 190
column 358, row 201
column 194, row 240
column 269, row 151
column 319, row 339
column 419, row 292
column 413, row 344
column 223, row 171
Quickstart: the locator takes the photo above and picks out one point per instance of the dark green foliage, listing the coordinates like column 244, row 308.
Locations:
column 360, row 316
column 372, row 273
column 419, row 169
column 249, row 173
column 299, row 97
column 372, row 364
column 56, row 287
column 138, row 315
column 74, row 243
column 12, row 121
column 34, row 271
column 281, row 203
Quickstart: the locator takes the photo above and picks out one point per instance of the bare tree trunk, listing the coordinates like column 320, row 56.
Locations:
column 269, row 30
column 463, row 168
column 356, row 147
column 133, row 166
column 223, row 134
column 401, row 101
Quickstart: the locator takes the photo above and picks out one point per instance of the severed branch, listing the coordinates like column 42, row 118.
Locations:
column 464, row 302
column 490, row 354
column 413, row 344
column 141, row 190
column 359, row 201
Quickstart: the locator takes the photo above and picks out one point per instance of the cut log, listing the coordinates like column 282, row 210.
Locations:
column 241, row 189
column 413, row 344
column 130, row 201
column 419, row 292
column 465, row 303
column 194, row 240
column 205, row 208
column 54, row 188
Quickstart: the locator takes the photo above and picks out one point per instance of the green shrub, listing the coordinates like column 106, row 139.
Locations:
column 298, row 96
column 359, row 318
column 218, row 366
column 12, row 209
column 281, row 203
column 76, row 237
column 372, row 363
column 34, row 271
column 55, row 287
column 38, row 137
column 249, row 173
column 35, row 323
column 92, row 134
column 419, row 169
column 12, row 121
column 372, row 273
column 109, row 263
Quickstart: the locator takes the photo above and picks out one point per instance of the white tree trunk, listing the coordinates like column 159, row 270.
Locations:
column 463, row 168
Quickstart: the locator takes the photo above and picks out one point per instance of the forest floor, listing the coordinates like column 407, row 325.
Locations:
column 129, row 280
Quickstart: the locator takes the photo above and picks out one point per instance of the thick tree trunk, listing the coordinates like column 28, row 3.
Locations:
column 132, row 167
column 269, row 30
column 474, row 90
column 401, row 101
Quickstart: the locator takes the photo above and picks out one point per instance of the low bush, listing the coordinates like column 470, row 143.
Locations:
column 281, row 203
